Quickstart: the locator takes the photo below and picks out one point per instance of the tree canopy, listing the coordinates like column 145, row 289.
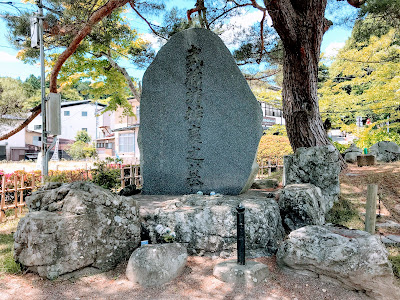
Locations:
column 88, row 32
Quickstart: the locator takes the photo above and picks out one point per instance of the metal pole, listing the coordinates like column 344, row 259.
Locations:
column 241, row 249
column 45, row 169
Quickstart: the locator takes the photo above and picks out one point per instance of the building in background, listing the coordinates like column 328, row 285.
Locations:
column 118, row 136
column 75, row 116
column 14, row 147
column 271, row 116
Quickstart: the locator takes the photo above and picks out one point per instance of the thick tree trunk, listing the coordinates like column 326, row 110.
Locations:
column 301, row 25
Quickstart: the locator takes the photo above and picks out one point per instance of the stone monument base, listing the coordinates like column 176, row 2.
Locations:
column 249, row 275
column 207, row 224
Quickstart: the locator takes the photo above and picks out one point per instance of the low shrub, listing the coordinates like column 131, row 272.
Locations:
column 273, row 147
column 105, row 177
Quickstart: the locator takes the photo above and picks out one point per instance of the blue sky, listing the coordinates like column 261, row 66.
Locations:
column 334, row 38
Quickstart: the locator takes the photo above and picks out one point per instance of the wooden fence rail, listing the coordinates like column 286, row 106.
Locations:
column 269, row 165
column 17, row 190
column 130, row 174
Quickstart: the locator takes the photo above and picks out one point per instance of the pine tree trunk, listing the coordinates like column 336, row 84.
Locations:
column 301, row 25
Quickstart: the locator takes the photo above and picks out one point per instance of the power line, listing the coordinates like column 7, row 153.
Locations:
column 359, row 110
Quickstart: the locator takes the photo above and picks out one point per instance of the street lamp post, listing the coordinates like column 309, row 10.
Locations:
column 45, row 169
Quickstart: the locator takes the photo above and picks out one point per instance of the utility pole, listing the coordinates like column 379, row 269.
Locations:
column 45, row 166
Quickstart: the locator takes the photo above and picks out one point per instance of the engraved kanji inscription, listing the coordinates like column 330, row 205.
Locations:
column 194, row 116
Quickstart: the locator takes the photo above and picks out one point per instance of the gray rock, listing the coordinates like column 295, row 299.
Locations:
column 200, row 123
column 385, row 151
column 351, row 153
column 72, row 226
column 353, row 258
column 265, row 184
column 301, row 205
column 318, row 166
column 154, row 265
column 207, row 224
column 248, row 275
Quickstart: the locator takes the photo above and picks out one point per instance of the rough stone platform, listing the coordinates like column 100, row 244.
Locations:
column 207, row 224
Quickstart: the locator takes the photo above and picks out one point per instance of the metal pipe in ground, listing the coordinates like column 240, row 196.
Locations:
column 241, row 248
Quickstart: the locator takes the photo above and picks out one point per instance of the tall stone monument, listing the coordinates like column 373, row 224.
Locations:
column 200, row 123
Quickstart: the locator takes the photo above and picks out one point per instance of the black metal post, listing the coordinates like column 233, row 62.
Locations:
column 241, row 252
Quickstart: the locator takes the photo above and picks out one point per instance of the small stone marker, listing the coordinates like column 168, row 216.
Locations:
column 366, row 160
column 200, row 123
column 249, row 275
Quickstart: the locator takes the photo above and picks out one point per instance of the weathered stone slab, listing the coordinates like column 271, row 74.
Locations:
column 200, row 123
column 154, row 265
column 72, row 226
column 350, row 155
column 316, row 165
column 385, row 151
column 207, row 224
column 301, row 205
column 352, row 258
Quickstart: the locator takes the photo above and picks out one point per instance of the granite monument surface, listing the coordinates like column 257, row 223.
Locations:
column 200, row 123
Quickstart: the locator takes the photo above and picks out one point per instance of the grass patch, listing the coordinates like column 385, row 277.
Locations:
column 345, row 213
column 7, row 228
column 394, row 257
column 7, row 263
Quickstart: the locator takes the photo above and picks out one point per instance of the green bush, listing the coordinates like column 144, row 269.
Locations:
column 371, row 137
column 106, row 177
column 341, row 147
column 81, row 150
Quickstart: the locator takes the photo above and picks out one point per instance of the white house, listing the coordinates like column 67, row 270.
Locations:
column 14, row 147
column 119, row 134
column 75, row 116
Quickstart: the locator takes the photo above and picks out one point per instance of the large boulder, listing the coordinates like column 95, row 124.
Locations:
column 154, row 265
column 301, row 205
column 207, row 224
column 385, row 151
column 319, row 166
column 200, row 123
column 352, row 258
column 71, row 226
column 351, row 153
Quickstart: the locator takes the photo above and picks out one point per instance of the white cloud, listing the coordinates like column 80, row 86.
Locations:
column 155, row 41
column 7, row 58
column 332, row 49
column 240, row 25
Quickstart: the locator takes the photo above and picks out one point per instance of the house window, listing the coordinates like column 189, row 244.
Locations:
column 84, row 129
column 66, row 113
column 127, row 142
column 37, row 127
column 36, row 140
column 109, row 145
column 84, row 114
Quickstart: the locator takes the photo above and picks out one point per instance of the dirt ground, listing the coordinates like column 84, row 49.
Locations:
column 196, row 282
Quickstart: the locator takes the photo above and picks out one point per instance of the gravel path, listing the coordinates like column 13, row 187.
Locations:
column 196, row 282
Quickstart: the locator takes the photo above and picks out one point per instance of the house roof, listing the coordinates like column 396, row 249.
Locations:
column 73, row 103
column 126, row 128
